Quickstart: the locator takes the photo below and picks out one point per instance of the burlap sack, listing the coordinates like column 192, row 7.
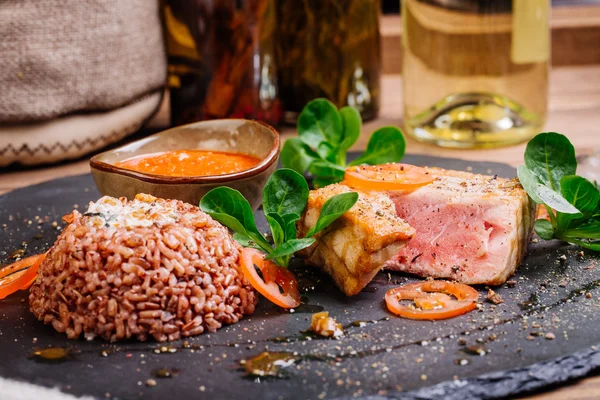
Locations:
column 76, row 75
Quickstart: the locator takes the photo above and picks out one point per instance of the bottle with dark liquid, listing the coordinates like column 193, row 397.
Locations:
column 221, row 62
column 331, row 49
column 475, row 72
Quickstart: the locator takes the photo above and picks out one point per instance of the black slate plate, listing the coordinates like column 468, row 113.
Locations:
column 393, row 358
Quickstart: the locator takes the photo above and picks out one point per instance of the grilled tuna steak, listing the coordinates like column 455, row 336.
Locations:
column 470, row 228
column 353, row 249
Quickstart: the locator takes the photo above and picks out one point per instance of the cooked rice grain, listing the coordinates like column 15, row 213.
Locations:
column 175, row 278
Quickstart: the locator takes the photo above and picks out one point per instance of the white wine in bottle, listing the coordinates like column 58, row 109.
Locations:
column 475, row 72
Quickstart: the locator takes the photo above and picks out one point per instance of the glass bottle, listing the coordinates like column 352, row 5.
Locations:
column 475, row 72
column 221, row 61
column 331, row 49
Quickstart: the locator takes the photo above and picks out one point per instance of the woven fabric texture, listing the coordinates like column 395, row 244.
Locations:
column 60, row 57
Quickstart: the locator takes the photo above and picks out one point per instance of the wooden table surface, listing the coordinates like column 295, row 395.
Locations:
column 574, row 110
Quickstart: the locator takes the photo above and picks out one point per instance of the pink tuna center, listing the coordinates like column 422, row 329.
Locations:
column 450, row 237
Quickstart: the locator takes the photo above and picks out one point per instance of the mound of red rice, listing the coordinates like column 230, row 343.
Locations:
column 146, row 267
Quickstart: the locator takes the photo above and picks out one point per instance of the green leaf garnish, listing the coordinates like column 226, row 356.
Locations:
column 320, row 122
column 286, row 192
column 529, row 182
column 290, row 247
column 555, row 200
column 580, row 192
column 297, row 155
column 544, row 229
column 550, row 156
column 327, row 172
column 352, row 122
column 572, row 201
column 288, row 221
column 230, row 208
column 245, row 241
column 276, row 228
column 333, row 208
column 325, row 134
column 386, row 145
column 285, row 197
column 590, row 229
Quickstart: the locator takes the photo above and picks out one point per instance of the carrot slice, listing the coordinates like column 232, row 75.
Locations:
column 19, row 275
column 277, row 284
column 387, row 177
column 431, row 300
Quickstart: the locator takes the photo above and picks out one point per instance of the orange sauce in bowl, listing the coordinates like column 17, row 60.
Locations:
column 183, row 163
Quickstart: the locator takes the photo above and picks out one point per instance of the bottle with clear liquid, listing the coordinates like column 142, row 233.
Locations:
column 475, row 72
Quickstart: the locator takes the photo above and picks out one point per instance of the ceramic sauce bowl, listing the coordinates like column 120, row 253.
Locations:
column 230, row 135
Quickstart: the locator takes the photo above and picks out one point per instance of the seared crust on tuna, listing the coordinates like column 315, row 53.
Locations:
column 353, row 249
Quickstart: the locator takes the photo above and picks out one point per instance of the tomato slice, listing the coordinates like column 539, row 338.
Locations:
column 277, row 283
column 542, row 213
column 387, row 177
column 19, row 275
column 431, row 300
